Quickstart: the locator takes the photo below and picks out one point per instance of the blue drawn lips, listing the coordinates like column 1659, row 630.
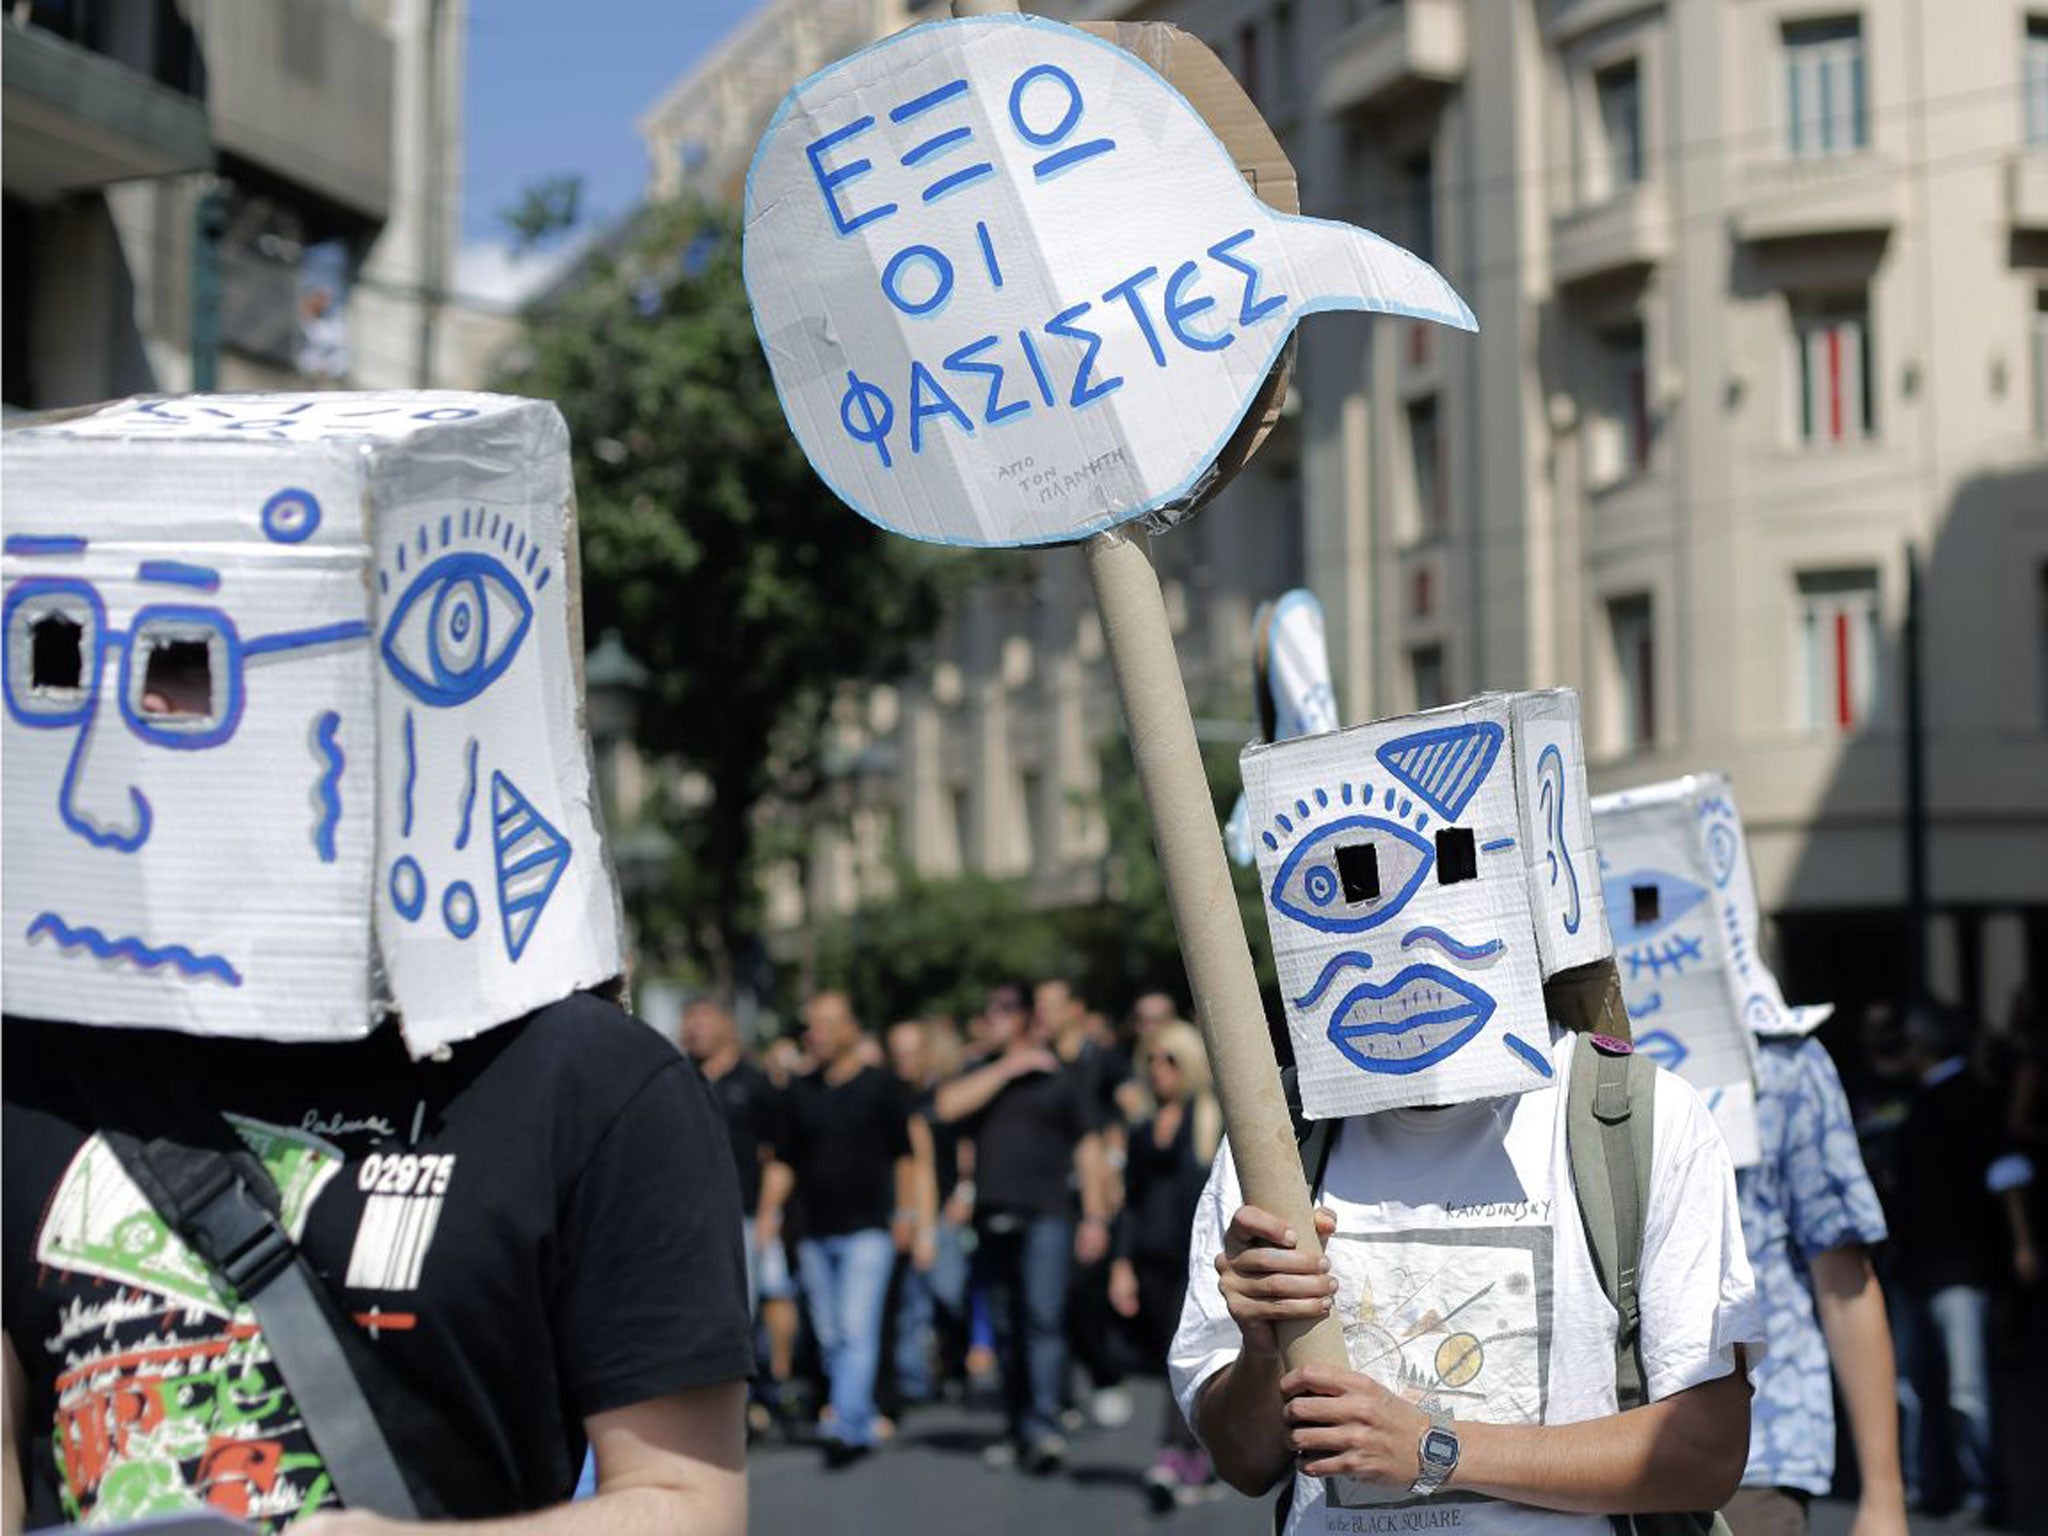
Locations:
column 1409, row 1022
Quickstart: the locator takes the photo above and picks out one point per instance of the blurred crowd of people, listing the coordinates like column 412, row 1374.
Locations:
column 996, row 1209
column 999, row 1210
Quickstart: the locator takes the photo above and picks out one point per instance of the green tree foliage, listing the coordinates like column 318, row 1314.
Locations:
column 1130, row 946
column 747, row 590
column 935, row 945
column 546, row 211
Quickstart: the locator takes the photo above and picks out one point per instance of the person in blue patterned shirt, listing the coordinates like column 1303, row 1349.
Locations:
column 1810, row 1218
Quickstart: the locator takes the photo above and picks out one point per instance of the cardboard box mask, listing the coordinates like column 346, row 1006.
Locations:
column 293, row 723
column 1682, row 905
column 1423, row 877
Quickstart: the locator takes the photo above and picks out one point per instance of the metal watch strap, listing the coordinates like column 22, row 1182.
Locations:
column 1430, row 1477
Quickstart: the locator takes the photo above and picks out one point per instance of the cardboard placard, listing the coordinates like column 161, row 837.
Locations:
column 277, row 664
column 1682, row 905
column 1423, row 877
column 1013, row 290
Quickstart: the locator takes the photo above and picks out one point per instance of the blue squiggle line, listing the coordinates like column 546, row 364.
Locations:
column 1528, row 1053
column 1449, row 945
column 468, row 799
column 1348, row 958
column 330, row 801
column 412, row 772
column 148, row 956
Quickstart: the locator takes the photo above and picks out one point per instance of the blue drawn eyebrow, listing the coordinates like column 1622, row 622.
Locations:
column 298, row 639
column 30, row 544
column 178, row 574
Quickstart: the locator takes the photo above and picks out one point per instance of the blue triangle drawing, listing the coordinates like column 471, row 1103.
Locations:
column 1445, row 767
column 531, row 856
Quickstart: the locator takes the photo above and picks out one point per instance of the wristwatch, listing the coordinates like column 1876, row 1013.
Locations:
column 1438, row 1454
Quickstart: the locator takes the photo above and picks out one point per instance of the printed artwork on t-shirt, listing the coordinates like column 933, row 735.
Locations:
column 168, row 1396
column 1455, row 1320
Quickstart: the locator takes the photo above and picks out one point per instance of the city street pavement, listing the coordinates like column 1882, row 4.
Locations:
column 934, row 1471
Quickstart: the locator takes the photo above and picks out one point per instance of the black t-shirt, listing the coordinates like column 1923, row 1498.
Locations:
column 945, row 1142
column 751, row 1106
column 843, row 1143
column 1946, row 1226
column 1162, row 1189
column 543, row 1227
column 1024, row 1141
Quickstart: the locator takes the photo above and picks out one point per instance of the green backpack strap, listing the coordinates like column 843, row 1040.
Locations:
column 1609, row 1120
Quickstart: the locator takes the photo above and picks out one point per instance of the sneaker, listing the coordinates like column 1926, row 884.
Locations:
column 840, row 1455
column 1162, row 1483
column 1047, row 1454
column 1111, row 1407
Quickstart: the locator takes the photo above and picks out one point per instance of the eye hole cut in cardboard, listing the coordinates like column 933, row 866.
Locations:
column 177, row 679
column 1358, row 868
column 56, row 652
column 1644, row 900
column 1456, row 856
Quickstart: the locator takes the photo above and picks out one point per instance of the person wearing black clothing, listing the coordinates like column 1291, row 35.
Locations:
column 1164, row 1170
column 535, row 1236
column 849, row 1148
column 1033, row 1123
column 1955, row 1201
column 752, row 1108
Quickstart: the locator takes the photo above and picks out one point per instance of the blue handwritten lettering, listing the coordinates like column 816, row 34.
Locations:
column 939, row 404
column 942, row 278
column 1127, row 290
column 1253, row 309
column 962, row 361
column 1179, row 311
column 839, row 175
column 1062, row 324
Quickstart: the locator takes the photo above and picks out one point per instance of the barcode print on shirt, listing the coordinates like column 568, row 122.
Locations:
column 392, row 1242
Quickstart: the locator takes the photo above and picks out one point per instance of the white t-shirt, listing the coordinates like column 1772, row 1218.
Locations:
column 1463, row 1273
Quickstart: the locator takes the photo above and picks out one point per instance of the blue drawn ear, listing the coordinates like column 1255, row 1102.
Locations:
column 456, row 628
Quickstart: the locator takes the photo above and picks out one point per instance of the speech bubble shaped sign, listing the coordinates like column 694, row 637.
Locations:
column 1013, row 290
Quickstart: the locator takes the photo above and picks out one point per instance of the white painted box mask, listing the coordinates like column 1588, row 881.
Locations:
column 1682, row 904
column 1423, row 877
column 293, row 722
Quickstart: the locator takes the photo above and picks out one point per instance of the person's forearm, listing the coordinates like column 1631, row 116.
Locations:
column 1092, row 1174
column 717, row 1508
column 1686, row 1452
column 1238, row 1414
column 1851, row 1306
column 968, row 1093
column 777, row 1180
column 2015, row 1203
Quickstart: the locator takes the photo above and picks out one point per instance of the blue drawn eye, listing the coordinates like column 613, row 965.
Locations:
column 456, row 628
column 1647, row 901
column 1353, row 874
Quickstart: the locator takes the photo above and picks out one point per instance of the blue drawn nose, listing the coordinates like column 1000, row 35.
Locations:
column 83, row 790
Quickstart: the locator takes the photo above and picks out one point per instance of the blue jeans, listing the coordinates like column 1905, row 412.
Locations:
column 1951, row 1319
column 846, row 1285
column 914, row 1335
column 1022, row 1263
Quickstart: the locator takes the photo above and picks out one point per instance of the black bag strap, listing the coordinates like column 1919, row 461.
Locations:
column 1312, row 1138
column 221, row 1200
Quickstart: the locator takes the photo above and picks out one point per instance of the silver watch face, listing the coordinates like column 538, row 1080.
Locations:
column 1439, row 1449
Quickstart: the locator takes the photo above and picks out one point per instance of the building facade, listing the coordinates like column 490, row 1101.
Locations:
column 1763, row 300
column 213, row 194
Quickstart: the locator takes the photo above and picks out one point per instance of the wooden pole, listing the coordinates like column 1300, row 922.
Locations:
column 1205, row 914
